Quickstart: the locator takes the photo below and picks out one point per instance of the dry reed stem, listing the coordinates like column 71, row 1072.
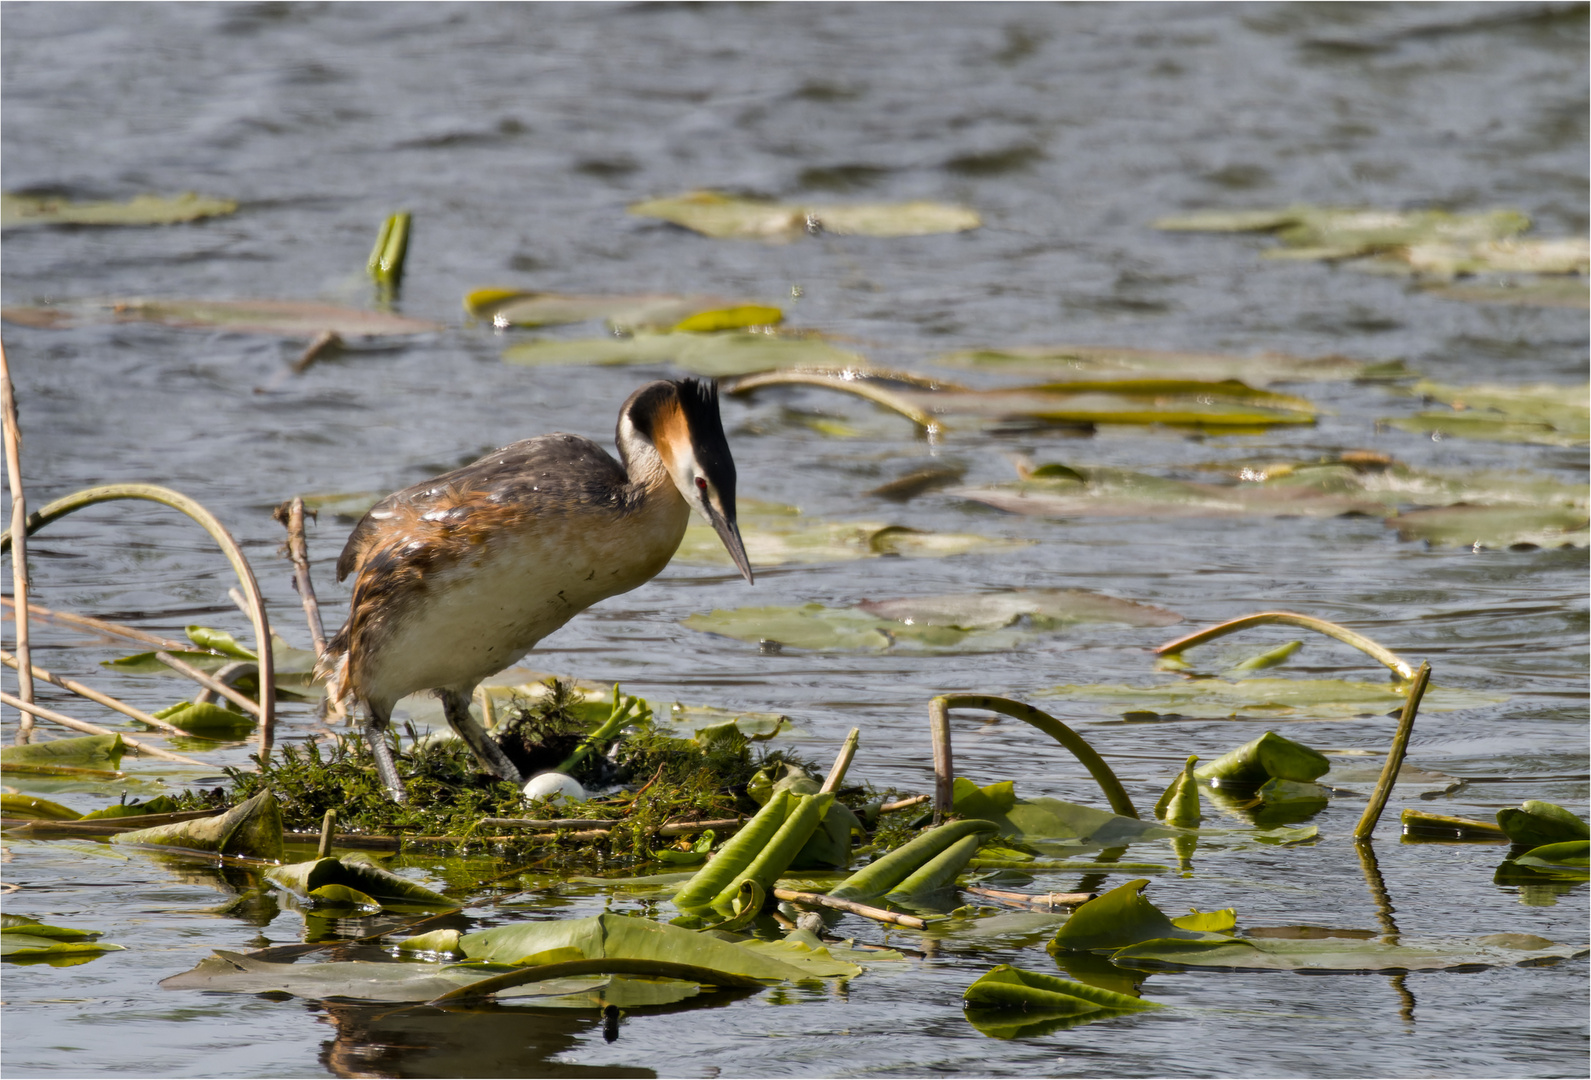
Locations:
column 94, row 729
column 842, row 761
column 19, row 552
column 88, row 622
column 94, row 695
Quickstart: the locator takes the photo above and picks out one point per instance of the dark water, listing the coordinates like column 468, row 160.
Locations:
column 517, row 134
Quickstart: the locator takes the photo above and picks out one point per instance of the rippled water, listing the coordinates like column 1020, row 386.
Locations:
column 517, row 134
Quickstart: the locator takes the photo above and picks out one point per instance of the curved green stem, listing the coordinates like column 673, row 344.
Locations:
column 1101, row 772
column 860, row 383
column 1401, row 667
column 208, row 521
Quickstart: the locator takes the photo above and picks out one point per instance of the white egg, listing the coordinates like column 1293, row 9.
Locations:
column 554, row 785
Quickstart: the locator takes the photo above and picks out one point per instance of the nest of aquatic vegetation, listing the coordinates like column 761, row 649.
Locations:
column 668, row 779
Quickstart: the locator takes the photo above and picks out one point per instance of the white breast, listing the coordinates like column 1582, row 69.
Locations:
column 482, row 613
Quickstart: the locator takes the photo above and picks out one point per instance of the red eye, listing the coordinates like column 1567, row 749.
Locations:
column 701, row 484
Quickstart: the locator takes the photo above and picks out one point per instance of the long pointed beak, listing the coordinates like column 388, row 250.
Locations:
column 729, row 533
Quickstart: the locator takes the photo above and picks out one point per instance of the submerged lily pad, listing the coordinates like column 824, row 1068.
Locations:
column 1319, row 232
column 777, row 535
column 1113, row 492
column 1105, row 362
column 288, row 318
column 1041, row 608
column 726, row 217
column 1495, row 526
column 1134, row 933
column 1543, row 413
column 1178, row 402
column 708, row 354
column 1267, row 699
column 20, row 210
column 962, row 622
column 642, row 311
column 1558, row 292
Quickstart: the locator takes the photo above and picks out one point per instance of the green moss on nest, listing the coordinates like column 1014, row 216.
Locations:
column 667, row 779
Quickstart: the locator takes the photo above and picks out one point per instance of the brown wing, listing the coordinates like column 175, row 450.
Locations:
column 550, row 474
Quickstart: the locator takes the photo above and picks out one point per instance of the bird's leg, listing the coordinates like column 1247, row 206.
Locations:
column 456, row 707
column 386, row 768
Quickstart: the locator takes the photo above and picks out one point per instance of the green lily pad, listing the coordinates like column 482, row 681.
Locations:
column 1267, row 699
column 1568, row 859
column 709, row 354
column 160, row 804
column 252, row 829
column 1051, row 826
column 364, row 980
column 208, row 721
column 88, row 751
column 1122, row 917
column 1465, row 525
column 1090, row 363
column 611, row 935
column 1135, row 934
column 777, row 535
column 1537, row 823
column 32, row 210
column 628, row 314
column 726, row 217
column 288, row 318
column 26, row 940
column 357, row 873
column 1009, row 1003
column 1267, row 757
column 14, row 805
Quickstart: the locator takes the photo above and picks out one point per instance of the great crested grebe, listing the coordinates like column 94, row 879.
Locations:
column 458, row 577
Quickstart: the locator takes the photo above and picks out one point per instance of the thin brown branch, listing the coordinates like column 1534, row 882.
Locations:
column 903, row 804
column 94, row 695
column 291, row 514
column 94, row 729
column 19, row 549
column 88, row 622
column 811, row 899
column 1030, row 900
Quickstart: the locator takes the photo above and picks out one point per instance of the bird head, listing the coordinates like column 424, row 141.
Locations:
column 680, row 420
